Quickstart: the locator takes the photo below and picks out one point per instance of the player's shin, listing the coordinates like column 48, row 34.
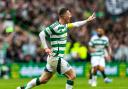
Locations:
column 94, row 73
column 69, row 84
column 90, row 76
column 94, row 77
column 32, row 83
column 103, row 73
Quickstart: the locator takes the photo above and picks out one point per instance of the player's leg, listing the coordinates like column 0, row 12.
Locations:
column 71, row 75
column 44, row 78
column 94, row 64
column 94, row 76
column 106, row 79
column 46, row 75
column 90, row 76
column 69, row 72
column 101, row 68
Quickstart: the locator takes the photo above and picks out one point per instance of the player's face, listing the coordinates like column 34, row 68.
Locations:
column 100, row 32
column 67, row 17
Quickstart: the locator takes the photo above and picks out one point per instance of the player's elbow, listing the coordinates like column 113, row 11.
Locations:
column 75, row 24
column 92, row 50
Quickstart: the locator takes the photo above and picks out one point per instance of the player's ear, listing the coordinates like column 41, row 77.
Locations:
column 63, row 16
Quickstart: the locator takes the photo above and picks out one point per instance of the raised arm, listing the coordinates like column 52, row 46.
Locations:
column 80, row 23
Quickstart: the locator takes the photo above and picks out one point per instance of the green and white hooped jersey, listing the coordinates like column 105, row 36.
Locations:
column 99, row 43
column 57, row 34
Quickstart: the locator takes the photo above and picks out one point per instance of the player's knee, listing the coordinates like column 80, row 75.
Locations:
column 72, row 77
column 44, row 81
column 95, row 68
column 101, row 69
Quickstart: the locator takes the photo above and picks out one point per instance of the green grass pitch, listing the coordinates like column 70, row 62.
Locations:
column 59, row 83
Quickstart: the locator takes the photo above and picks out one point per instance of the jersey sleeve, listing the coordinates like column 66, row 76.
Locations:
column 69, row 25
column 91, row 42
column 76, row 24
column 107, row 42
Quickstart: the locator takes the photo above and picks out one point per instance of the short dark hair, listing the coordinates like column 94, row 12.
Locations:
column 63, row 11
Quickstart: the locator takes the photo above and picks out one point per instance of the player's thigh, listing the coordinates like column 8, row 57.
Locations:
column 102, row 63
column 94, row 61
column 67, row 70
column 65, row 66
column 51, row 64
column 101, row 68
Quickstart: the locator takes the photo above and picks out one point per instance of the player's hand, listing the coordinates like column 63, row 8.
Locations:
column 48, row 51
column 108, row 58
column 92, row 17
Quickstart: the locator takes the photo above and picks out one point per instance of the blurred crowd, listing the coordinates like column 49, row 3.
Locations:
column 21, row 20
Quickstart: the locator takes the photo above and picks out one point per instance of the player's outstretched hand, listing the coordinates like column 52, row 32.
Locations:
column 48, row 51
column 92, row 17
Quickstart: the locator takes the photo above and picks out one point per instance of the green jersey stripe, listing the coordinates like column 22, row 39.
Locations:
column 52, row 30
column 60, row 33
column 46, row 33
column 100, row 40
column 97, row 53
column 48, row 30
column 58, row 45
column 60, row 51
column 58, row 39
column 62, row 27
column 99, row 44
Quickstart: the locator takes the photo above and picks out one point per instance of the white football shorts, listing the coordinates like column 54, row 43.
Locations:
column 98, row 61
column 57, row 64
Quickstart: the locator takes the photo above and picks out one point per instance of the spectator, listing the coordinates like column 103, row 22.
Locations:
column 25, row 17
